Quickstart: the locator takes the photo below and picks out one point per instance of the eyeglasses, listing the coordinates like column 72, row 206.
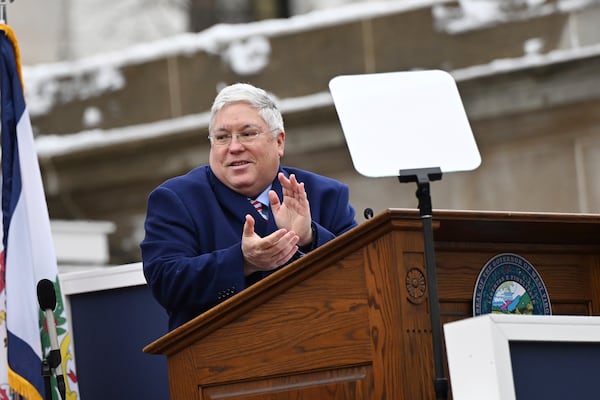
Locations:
column 246, row 137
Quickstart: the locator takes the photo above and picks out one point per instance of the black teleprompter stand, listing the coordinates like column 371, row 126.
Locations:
column 48, row 364
column 422, row 177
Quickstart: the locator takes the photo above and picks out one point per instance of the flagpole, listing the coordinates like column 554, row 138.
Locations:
column 3, row 17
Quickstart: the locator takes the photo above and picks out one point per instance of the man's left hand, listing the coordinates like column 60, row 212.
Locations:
column 293, row 213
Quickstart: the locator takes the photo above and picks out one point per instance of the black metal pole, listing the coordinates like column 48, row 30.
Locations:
column 3, row 18
column 440, row 383
column 54, row 360
column 3, row 13
column 422, row 177
column 47, row 375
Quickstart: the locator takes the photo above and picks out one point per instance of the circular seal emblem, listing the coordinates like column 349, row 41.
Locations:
column 509, row 284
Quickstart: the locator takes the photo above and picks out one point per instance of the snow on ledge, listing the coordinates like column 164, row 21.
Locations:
column 49, row 146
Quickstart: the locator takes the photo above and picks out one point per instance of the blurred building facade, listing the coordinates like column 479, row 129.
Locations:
column 112, row 127
column 69, row 30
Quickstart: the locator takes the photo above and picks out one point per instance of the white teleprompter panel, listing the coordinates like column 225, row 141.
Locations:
column 404, row 120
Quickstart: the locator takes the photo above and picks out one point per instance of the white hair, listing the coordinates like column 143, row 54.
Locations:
column 256, row 97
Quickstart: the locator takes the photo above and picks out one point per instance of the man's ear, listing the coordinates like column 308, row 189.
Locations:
column 281, row 142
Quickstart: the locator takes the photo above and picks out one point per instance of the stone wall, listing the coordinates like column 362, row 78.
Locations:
column 527, row 82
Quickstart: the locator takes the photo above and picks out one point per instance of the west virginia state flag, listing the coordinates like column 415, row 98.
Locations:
column 29, row 254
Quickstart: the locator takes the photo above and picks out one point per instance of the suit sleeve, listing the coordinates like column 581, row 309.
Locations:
column 184, row 277
column 337, row 217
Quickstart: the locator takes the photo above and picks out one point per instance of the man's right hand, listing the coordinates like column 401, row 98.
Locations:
column 268, row 253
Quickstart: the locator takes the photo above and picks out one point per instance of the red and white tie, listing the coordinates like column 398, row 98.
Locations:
column 260, row 208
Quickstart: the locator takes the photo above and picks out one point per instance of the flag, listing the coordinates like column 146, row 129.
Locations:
column 4, row 387
column 29, row 254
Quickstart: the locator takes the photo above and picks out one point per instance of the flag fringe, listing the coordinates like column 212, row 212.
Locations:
column 13, row 39
column 22, row 386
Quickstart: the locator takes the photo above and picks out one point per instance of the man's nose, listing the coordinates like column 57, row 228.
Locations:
column 235, row 143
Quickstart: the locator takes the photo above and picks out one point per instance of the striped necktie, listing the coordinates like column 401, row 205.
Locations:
column 260, row 208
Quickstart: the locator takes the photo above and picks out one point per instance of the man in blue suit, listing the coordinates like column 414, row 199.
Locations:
column 222, row 227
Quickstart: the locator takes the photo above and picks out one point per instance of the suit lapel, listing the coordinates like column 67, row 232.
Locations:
column 237, row 205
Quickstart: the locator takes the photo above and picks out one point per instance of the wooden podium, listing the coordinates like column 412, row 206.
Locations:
column 350, row 320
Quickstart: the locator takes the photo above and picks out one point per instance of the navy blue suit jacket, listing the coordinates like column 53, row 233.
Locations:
column 192, row 254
